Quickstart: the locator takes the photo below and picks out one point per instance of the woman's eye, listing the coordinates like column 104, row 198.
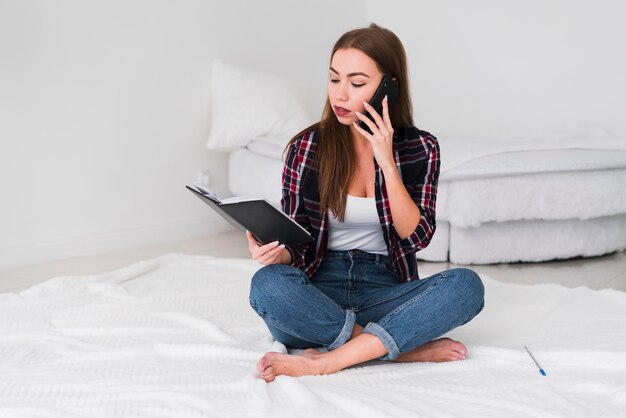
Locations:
column 335, row 81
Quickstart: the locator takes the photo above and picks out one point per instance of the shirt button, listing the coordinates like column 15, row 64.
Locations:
column 375, row 183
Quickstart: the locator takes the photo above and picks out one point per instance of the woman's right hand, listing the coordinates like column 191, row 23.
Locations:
column 272, row 253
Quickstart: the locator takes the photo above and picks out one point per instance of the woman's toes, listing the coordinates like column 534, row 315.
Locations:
column 459, row 347
column 268, row 374
column 265, row 361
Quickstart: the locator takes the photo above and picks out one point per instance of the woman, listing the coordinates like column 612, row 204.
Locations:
column 369, row 202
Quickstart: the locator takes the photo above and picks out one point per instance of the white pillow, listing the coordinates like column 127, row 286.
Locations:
column 267, row 149
column 246, row 104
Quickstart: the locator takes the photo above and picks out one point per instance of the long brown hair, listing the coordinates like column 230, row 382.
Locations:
column 336, row 158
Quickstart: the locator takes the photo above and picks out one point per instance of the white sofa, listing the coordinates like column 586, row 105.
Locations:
column 501, row 202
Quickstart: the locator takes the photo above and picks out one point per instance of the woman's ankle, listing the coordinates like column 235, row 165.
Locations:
column 356, row 331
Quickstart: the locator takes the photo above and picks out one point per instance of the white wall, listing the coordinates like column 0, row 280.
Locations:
column 104, row 112
column 499, row 69
column 104, row 106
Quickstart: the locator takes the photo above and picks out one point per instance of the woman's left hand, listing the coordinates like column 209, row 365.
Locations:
column 381, row 137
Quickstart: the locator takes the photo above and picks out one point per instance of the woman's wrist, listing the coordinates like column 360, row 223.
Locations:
column 389, row 169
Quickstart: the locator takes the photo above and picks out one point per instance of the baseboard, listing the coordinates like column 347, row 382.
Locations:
column 42, row 252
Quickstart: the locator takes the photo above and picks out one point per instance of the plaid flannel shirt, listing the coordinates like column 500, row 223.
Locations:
column 416, row 155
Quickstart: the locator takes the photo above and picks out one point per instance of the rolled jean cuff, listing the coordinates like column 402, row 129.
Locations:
column 392, row 348
column 346, row 331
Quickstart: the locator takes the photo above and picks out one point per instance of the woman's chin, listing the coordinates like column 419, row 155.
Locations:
column 345, row 120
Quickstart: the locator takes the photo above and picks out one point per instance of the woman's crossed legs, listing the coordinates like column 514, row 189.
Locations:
column 400, row 325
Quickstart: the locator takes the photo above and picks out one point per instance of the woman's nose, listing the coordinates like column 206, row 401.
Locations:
column 341, row 92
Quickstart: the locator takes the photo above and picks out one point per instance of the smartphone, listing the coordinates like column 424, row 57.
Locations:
column 387, row 87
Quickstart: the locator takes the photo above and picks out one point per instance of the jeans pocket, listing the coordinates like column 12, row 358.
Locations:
column 386, row 266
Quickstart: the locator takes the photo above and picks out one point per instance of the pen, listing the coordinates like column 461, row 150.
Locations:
column 533, row 357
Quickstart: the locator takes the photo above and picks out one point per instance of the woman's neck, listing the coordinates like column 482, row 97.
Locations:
column 362, row 146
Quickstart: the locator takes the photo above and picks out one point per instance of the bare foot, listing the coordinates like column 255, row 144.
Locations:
column 441, row 350
column 309, row 362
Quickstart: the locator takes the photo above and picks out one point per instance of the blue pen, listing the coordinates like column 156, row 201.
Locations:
column 533, row 357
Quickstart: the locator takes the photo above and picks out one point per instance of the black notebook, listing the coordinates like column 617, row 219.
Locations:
column 266, row 222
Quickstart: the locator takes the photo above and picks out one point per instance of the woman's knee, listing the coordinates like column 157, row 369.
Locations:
column 470, row 285
column 267, row 282
column 265, row 279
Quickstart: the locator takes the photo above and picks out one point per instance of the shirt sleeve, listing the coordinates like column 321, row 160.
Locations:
column 424, row 194
column 292, row 202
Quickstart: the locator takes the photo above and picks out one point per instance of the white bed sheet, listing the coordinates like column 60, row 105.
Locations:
column 175, row 337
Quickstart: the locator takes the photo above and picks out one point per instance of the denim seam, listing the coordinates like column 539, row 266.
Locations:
column 378, row 302
column 391, row 314
column 327, row 297
column 255, row 307
column 383, row 266
column 306, row 281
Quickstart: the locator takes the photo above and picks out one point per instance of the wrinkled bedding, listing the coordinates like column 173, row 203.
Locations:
column 175, row 336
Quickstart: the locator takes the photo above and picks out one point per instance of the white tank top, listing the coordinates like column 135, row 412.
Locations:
column 360, row 229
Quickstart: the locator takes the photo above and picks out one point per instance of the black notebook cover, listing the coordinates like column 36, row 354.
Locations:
column 263, row 220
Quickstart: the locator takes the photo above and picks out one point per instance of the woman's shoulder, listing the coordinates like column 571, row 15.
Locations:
column 304, row 140
column 302, row 146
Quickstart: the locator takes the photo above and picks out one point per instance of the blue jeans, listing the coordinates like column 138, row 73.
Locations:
column 357, row 287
